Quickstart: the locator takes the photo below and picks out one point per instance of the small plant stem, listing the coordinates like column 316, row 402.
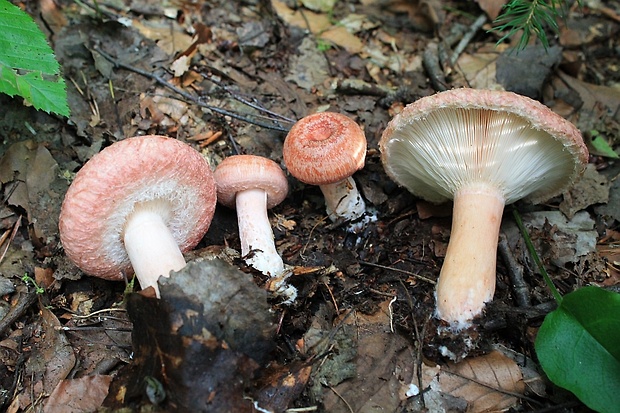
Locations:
column 530, row 247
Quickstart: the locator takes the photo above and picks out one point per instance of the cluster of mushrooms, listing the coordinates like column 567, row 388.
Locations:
column 140, row 203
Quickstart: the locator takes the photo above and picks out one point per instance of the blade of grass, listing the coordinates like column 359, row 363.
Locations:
column 530, row 247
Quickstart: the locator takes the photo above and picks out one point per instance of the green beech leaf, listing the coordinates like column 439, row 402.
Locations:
column 578, row 346
column 28, row 67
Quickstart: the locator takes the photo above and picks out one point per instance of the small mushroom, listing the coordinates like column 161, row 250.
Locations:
column 138, row 204
column 482, row 149
column 252, row 184
column 325, row 149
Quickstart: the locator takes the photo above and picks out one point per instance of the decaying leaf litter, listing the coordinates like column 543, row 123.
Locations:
column 231, row 78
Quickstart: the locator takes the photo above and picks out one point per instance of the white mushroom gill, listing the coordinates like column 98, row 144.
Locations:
column 449, row 149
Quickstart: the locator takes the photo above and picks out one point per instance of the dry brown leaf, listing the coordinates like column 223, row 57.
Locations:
column 480, row 69
column 487, row 383
column 491, row 7
column 171, row 40
column 319, row 25
column 384, row 367
column 51, row 360
column 599, row 102
column 33, row 182
column 78, row 395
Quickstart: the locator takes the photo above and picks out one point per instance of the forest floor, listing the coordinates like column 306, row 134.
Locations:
column 231, row 77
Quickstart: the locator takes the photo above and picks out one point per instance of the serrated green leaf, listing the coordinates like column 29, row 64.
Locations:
column 578, row 346
column 28, row 67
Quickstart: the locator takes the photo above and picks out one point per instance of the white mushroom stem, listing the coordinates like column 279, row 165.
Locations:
column 343, row 201
column 151, row 248
column 467, row 278
column 255, row 232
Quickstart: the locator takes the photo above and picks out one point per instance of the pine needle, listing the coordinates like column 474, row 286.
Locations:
column 532, row 18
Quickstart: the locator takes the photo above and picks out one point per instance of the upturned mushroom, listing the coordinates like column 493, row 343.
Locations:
column 482, row 149
column 326, row 149
column 137, row 205
column 252, row 184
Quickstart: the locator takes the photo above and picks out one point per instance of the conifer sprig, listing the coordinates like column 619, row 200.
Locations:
column 533, row 18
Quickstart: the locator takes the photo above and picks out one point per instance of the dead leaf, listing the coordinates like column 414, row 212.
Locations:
column 50, row 362
column 592, row 188
column 487, row 383
column 381, row 367
column 491, row 7
column 78, row 395
column 319, row 25
column 169, row 36
column 598, row 102
column 34, row 184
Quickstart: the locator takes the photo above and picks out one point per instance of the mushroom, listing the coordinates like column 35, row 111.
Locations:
column 325, row 149
column 252, row 184
column 483, row 149
column 139, row 203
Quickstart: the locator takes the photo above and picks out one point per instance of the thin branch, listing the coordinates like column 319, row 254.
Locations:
column 186, row 95
column 515, row 273
column 421, row 277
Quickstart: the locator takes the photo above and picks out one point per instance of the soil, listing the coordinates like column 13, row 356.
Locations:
column 361, row 334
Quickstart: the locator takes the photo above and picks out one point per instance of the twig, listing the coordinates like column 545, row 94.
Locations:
column 421, row 277
column 339, row 396
column 243, row 100
column 186, row 95
column 13, row 232
column 469, row 34
column 23, row 304
column 515, row 273
column 430, row 60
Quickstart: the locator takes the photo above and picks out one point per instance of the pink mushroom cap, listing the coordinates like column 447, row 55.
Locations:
column 124, row 175
column 324, row 148
column 238, row 173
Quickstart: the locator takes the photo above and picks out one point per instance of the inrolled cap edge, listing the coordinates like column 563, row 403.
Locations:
column 105, row 190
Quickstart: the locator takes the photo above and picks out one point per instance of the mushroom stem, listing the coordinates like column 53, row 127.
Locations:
column 343, row 200
column 467, row 278
column 151, row 248
column 255, row 232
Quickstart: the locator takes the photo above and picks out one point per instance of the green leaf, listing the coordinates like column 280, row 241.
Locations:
column 578, row 346
column 601, row 147
column 28, row 67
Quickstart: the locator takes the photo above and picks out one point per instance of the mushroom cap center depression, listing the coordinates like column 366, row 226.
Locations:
column 435, row 155
column 321, row 132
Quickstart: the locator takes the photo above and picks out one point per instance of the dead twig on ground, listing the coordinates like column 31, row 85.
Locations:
column 469, row 34
column 418, row 276
column 23, row 304
column 515, row 273
column 194, row 99
column 430, row 60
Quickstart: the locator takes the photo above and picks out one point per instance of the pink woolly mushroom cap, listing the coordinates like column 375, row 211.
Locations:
column 163, row 174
